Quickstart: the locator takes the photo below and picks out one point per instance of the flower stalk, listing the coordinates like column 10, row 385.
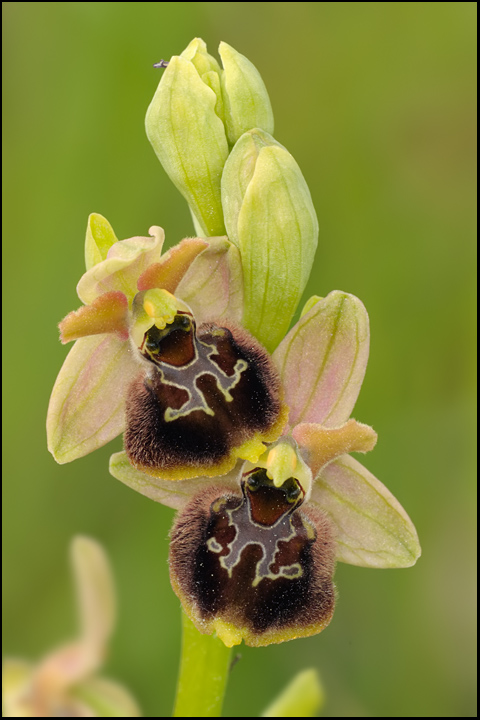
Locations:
column 204, row 667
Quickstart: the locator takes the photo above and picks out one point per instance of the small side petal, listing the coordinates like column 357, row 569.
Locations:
column 107, row 314
column 213, row 284
column 87, row 405
column 172, row 267
column 95, row 593
column 372, row 528
column 125, row 262
column 322, row 360
column 172, row 494
column 321, row 445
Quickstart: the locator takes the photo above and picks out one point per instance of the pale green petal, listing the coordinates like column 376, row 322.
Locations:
column 189, row 140
column 322, row 360
column 125, row 262
column 174, row 494
column 106, row 698
column 303, row 697
column 372, row 528
column 245, row 96
column 99, row 239
column 87, row 405
column 95, row 593
column 213, row 284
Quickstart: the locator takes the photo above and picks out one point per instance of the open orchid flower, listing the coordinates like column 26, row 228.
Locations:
column 252, row 553
column 64, row 683
column 193, row 396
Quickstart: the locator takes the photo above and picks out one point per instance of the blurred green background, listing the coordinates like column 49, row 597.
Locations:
column 376, row 102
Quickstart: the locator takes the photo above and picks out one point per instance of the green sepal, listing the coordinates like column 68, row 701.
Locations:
column 189, row 140
column 371, row 527
column 208, row 69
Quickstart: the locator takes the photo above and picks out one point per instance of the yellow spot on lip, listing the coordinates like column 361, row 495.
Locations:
column 227, row 632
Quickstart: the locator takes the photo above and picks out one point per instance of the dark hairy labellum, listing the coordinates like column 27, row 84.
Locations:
column 204, row 396
column 254, row 563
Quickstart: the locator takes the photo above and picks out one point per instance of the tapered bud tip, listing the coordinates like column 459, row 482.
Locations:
column 245, row 96
column 184, row 126
column 196, row 52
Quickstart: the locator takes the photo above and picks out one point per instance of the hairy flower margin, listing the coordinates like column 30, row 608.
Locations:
column 65, row 683
column 257, row 444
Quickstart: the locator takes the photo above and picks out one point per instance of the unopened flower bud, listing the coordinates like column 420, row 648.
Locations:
column 197, row 114
column 189, row 137
column 270, row 216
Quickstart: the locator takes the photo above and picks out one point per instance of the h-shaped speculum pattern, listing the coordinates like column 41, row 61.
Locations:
column 203, row 361
column 267, row 537
column 205, row 397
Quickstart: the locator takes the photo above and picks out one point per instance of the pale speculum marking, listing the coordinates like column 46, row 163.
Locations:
column 267, row 537
column 184, row 377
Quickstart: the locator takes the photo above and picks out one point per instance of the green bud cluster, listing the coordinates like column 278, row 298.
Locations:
column 211, row 128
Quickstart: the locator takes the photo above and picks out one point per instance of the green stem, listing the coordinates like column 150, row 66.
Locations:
column 203, row 674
